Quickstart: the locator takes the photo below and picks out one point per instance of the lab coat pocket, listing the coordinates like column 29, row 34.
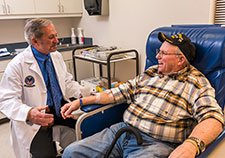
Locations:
column 34, row 95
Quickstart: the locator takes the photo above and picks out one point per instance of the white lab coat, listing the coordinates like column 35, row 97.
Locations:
column 17, row 97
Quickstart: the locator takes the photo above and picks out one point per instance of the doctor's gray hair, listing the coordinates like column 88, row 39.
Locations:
column 33, row 27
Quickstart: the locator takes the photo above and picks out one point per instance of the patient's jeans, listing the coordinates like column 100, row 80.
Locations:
column 96, row 146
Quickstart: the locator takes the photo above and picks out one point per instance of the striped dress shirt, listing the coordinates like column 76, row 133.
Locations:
column 168, row 107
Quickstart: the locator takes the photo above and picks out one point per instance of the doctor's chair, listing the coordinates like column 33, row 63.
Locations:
column 210, row 60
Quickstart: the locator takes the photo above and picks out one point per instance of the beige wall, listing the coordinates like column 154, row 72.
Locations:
column 11, row 31
column 130, row 21
column 128, row 24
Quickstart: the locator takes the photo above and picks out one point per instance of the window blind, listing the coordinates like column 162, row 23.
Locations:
column 220, row 12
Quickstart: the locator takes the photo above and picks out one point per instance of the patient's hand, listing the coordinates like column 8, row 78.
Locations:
column 185, row 150
column 68, row 108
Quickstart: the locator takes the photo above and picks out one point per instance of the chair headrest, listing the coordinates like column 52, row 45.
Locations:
column 209, row 41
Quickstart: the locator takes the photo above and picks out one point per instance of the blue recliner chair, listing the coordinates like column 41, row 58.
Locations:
column 210, row 60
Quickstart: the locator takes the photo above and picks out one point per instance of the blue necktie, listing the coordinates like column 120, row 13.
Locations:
column 55, row 90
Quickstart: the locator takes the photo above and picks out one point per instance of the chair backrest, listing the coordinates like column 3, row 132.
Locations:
column 210, row 52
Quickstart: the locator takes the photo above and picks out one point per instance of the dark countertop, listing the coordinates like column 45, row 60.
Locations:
column 64, row 47
column 7, row 57
column 60, row 50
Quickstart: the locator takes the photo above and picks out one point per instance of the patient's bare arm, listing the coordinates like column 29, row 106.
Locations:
column 105, row 97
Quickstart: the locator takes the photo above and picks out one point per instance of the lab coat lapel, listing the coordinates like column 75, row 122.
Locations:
column 33, row 65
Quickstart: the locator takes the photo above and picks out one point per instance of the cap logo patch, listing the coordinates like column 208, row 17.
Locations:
column 182, row 42
column 180, row 37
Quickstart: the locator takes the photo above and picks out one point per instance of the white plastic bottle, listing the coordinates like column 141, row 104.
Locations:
column 80, row 36
column 73, row 36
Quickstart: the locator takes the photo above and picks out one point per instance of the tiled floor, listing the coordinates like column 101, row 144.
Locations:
column 5, row 148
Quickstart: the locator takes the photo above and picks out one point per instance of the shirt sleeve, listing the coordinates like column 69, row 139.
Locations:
column 11, row 93
column 205, row 105
column 126, row 92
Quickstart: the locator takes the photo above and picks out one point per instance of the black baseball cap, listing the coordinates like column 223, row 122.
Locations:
column 182, row 42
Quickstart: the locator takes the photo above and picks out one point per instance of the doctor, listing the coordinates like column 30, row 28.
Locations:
column 33, row 88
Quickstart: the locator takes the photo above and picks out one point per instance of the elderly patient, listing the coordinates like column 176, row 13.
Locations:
column 172, row 104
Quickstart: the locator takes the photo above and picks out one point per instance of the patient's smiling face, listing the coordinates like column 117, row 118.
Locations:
column 168, row 63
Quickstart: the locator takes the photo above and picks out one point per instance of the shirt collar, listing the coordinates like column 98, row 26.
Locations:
column 39, row 56
column 180, row 75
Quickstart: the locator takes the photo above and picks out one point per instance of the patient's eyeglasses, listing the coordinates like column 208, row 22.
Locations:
column 162, row 53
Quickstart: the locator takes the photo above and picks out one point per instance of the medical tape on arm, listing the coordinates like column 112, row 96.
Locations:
column 98, row 96
column 110, row 95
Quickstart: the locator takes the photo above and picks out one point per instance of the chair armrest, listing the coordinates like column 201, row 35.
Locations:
column 213, row 145
column 94, row 121
column 92, row 107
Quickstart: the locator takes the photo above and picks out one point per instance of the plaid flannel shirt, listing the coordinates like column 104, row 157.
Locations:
column 168, row 107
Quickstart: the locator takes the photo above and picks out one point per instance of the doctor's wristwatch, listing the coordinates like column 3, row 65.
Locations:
column 198, row 143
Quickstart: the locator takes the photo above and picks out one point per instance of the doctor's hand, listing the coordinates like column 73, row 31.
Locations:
column 68, row 108
column 35, row 116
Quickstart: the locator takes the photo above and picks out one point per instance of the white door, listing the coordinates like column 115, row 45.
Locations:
column 71, row 6
column 3, row 65
column 47, row 6
column 2, row 7
column 67, row 57
column 19, row 7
